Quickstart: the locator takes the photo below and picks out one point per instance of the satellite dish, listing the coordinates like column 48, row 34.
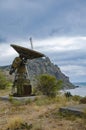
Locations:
column 27, row 53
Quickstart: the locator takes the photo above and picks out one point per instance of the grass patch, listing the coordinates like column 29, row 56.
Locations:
column 17, row 123
column 14, row 123
column 76, row 98
column 48, row 100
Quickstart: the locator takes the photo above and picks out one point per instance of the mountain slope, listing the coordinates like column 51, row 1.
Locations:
column 42, row 66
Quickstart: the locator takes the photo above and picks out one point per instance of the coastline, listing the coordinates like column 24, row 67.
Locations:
column 80, row 91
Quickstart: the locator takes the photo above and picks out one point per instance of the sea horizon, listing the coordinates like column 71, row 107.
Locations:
column 80, row 84
column 80, row 90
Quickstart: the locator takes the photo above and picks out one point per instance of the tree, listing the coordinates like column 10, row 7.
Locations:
column 48, row 85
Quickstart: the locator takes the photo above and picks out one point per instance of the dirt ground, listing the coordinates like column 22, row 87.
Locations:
column 42, row 114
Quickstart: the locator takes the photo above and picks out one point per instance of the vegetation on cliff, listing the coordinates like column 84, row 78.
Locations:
column 3, row 81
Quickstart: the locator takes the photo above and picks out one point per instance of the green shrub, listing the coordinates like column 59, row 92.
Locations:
column 48, row 85
column 76, row 98
column 3, row 81
column 68, row 95
column 83, row 100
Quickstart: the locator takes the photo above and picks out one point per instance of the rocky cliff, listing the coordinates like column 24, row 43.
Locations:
column 43, row 66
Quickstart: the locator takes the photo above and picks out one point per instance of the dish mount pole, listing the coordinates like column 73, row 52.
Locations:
column 31, row 43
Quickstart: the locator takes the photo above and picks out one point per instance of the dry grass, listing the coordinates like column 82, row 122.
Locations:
column 14, row 123
column 42, row 114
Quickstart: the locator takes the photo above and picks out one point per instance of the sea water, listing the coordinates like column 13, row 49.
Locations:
column 80, row 90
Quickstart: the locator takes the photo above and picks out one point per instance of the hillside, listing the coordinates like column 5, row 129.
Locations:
column 42, row 66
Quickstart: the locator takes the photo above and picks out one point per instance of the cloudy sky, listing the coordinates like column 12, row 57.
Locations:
column 58, row 29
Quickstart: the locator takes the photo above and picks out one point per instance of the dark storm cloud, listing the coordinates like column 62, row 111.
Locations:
column 19, row 19
column 46, row 20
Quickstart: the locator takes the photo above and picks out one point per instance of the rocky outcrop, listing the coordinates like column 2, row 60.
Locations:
column 43, row 66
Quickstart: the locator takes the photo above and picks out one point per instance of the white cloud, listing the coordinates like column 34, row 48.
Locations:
column 75, row 72
column 67, row 52
column 7, row 54
column 61, row 44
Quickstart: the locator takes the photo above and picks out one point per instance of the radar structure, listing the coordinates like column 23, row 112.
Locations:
column 21, row 85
